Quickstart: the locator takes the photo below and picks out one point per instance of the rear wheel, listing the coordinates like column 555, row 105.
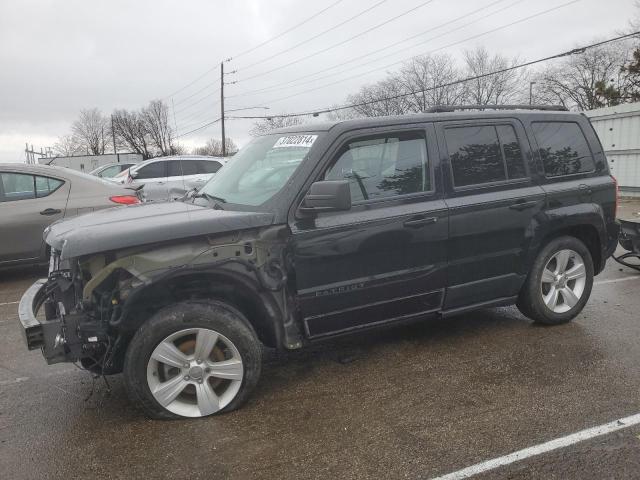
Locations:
column 192, row 359
column 559, row 283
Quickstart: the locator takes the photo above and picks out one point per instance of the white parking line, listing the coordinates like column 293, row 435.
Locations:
column 9, row 303
column 615, row 280
column 543, row 448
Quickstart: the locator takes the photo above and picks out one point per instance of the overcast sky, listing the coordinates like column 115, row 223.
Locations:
column 58, row 57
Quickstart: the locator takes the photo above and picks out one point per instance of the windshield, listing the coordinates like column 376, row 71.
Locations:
column 260, row 169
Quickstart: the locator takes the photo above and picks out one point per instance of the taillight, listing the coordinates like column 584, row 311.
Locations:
column 615, row 181
column 125, row 199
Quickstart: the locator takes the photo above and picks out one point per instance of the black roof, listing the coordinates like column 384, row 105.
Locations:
column 368, row 122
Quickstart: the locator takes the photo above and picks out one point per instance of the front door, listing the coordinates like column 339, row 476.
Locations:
column 384, row 260
column 28, row 204
column 493, row 205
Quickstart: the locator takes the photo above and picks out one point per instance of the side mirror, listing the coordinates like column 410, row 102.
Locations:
column 133, row 174
column 326, row 196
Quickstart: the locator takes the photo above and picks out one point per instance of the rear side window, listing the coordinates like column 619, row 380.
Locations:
column 205, row 166
column 46, row 186
column 17, row 186
column 383, row 166
column 153, row 170
column 563, row 148
column 110, row 171
column 484, row 154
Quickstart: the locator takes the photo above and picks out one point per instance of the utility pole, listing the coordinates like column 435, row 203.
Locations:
column 224, row 142
column 113, row 136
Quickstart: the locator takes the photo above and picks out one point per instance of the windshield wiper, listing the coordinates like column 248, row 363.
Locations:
column 211, row 199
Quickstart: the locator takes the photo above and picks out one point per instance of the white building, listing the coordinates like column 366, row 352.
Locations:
column 87, row 163
column 619, row 131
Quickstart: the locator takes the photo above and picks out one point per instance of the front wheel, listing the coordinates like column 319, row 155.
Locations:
column 559, row 283
column 192, row 359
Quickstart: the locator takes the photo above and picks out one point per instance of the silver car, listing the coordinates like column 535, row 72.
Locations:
column 168, row 178
column 110, row 170
column 34, row 196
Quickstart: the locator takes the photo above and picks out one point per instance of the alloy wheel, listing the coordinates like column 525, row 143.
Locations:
column 563, row 281
column 195, row 372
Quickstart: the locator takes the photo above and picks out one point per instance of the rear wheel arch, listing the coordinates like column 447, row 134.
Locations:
column 587, row 233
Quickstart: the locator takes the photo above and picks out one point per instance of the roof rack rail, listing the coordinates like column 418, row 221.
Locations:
column 453, row 108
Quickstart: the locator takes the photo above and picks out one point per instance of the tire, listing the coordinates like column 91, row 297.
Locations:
column 206, row 383
column 538, row 299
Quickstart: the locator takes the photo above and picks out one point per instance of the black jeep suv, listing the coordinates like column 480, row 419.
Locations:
column 323, row 230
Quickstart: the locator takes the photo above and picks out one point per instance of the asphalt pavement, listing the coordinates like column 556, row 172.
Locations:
column 415, row 402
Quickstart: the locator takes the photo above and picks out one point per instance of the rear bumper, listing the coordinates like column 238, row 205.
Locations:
column 30, row 303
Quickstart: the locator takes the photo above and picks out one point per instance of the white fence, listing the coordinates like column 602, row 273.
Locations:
column 619, row 131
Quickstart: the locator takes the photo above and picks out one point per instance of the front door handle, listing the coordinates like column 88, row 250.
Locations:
column 523, row 205
column 50, row 211
column 420, row 222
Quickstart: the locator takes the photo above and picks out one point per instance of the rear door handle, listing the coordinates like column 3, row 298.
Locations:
column 420, row 222
column 50, row 211
column 585, row 188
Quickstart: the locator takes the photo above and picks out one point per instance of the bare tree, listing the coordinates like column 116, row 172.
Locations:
column 131, row 130
column 271, row 123
column 589, row 80
column 342, row 114
column 89, row 130
column 213, row 148
column 422, row 76
column 496, row 89
column 156, row 121
column 387, row 97
column 66, row 146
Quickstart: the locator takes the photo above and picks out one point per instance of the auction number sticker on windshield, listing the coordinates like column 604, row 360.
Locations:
column 304, row 141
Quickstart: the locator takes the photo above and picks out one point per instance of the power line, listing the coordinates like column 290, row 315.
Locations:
column 199, row 100
column 254, row 48
column 353, row 37
column 377, row 69
column 306, row 57
column 199, row 114
column 249, row 50
column 574, row 51
column 344, row 22
column 199, row 128
column 386, row 47
column 195, row 93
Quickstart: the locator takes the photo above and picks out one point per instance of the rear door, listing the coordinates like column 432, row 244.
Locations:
column 493, row 203
column 384, row 260
column 28, row 204
column 206, row 169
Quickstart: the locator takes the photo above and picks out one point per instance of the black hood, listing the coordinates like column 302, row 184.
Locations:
column 130, row 226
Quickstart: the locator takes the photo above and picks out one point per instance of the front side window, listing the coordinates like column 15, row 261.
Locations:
column 563, row 148
column 189, row 167
column 260, row 169
column 383, row 166
column 17, row 186
column 174, row 168
column 152, row 170
column 484, row 154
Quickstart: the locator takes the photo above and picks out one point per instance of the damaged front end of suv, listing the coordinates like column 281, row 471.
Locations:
column 99, row 292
